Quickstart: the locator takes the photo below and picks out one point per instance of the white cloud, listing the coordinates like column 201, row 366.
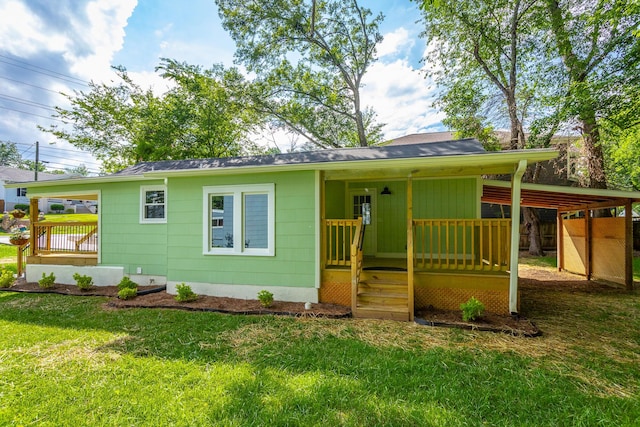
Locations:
column 23, row 33
column 394, row 42
column 160, row 32
column 104, row 33
column 401, row 96
column 150, row 79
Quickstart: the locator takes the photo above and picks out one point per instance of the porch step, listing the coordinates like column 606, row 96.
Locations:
column 382, row 299
column 385, row 286
column 384, row 312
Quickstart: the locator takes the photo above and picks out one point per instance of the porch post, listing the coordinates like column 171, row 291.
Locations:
column 628, row 245
column 587, row 243
column 410, row 290
column 560, row 241
column 33, row 219
column 516, row 184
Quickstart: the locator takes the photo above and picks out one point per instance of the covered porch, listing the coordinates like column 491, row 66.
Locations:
column 425, row 244
column 72, row 243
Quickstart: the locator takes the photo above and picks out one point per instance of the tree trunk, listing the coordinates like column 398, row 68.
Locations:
column 362, row 137
column 595, row 157
column 532, row 225
column 531, row 217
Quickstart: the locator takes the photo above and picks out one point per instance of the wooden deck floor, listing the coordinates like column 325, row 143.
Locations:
column 64, row 259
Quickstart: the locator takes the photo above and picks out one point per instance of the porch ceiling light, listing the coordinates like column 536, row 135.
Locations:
column 385, row 190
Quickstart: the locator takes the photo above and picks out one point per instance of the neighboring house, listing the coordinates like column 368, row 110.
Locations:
column 291, row 224
column 9, row 197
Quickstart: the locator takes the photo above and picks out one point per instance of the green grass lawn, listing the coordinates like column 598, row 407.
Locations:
column 69, row 361
column 70, row 217
column 65, row 218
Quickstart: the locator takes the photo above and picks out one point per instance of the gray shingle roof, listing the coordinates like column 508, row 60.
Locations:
column 20, row 175
column 433, row 149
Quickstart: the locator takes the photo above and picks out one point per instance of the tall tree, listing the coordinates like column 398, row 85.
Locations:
column 9, row 155
column 483, row 47
column 202, row 115
column 309, row 58
column 601, row 58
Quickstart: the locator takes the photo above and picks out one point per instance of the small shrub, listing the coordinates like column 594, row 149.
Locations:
column 22, row 207
column 6, row 278
column 472, row 309
column 83, row 282
column 56, row 207
column 127, row 293
column 266, row 298
column 69, row 211
column 127, row 283
column 127, row 288
column 47, row 281
column 185, row 294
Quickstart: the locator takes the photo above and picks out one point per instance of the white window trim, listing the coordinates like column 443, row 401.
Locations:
column 238, row 192
column 143, row 200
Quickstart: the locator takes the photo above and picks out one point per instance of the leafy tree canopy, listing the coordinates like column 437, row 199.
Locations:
column 309, row 58
column 10, row 156
column 202, row 115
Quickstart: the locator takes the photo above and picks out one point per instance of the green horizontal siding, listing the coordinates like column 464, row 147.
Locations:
column 295, row 235
column 123, row 240
column 432, row 198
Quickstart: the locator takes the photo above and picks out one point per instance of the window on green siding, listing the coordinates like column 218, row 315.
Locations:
column 153, row 204
column 239, row 220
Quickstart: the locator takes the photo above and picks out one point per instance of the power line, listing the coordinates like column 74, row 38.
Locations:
column 27, row 149
column 27, row 102
column 32, row 85
column 65, row 158
column 31, row 114
column 47, row 155
column 46, row 71
column 49, row 147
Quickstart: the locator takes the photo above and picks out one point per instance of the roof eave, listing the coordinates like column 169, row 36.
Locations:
column 497, row 158
column 621, row 194
column 75, row 181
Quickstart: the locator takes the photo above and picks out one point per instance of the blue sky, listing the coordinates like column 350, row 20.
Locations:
column 52, row 46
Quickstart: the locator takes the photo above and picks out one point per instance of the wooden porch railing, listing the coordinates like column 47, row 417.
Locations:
column 356, row 262
column 65, row 237
column 462, row 244
column 337, row 239
column 23, row 251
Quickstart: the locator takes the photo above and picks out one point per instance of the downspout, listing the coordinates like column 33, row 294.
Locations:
column 516, row 185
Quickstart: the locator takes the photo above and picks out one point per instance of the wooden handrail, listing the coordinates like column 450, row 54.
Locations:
column 21, row 261
column 356, row 262
column 86, row 237
column 62, row 237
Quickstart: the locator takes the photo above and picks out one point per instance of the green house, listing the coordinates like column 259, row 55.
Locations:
column 293, row 224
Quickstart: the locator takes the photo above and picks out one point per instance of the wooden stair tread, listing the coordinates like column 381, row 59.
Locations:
column 391, row 308
column 384, row 282
column 383, row 294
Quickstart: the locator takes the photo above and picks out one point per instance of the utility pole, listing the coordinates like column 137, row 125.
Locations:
column 37, row 159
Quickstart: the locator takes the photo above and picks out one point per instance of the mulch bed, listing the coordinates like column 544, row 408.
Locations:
column 94, row 291
column 513, row 325
column 233, row 305
column 155, row 297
